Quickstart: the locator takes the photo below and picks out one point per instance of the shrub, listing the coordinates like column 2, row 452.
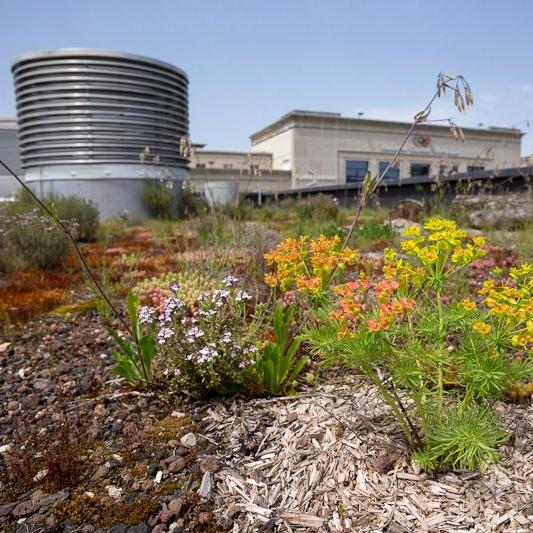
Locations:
column 206, row 349
column 319, row 208
column 158, row 199
column 447, row 361
column 190, row 204
column 32, row 241
column 81, row 213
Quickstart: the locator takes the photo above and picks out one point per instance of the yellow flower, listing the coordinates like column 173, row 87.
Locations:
column 389, row 255
column 481, row 327
column 521, row 271
column 468, row 304
column 409, row 246
column 479, row 241
column 271, row 280
column 428, row 254
column 411, row 231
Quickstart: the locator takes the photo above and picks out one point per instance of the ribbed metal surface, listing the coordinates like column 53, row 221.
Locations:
column 78, row 106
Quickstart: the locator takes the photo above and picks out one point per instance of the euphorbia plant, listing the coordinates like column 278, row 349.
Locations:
column 444, row 361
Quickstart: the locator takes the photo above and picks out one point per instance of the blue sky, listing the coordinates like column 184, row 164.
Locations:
column 251, row 61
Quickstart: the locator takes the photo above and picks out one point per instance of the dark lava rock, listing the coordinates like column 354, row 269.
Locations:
column 140, row 528
column 119, row 528
column 7, row 508
column 153, row 470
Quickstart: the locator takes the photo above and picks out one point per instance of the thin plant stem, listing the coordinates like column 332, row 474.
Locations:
column 391, row 401
column 419, row 118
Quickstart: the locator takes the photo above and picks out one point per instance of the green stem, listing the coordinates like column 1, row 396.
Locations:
column 391, row 402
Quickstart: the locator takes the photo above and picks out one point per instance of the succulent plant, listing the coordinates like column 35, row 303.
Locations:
column 155, row 290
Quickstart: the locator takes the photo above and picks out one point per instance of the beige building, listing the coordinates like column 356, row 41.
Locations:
column 327, row 148
column 252, row 171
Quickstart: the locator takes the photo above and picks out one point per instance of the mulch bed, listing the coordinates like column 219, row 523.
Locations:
column 328, row 459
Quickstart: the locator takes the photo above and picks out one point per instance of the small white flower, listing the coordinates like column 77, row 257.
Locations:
column 230, row 280
column 243, row 296
column 146, row 315
column 164, row 334
column 174, row 286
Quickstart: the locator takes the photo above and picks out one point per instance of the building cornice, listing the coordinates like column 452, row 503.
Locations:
column 299, row 119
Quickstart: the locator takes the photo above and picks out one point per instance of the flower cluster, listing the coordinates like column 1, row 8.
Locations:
column 510, row 302
column 206, row 346
column 307, row 264
column 442, row 243
column 376, row 303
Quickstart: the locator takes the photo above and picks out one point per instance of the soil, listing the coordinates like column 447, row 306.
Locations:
column 81, row 452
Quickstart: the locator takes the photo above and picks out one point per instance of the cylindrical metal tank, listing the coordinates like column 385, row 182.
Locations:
column 85, row 117
column 219, row 193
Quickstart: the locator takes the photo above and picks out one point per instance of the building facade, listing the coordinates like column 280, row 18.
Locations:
column 327, row 148
column 251, row 171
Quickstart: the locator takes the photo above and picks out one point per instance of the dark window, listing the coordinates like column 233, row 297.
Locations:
column 446, row 169
column 393, row 174
column 474, row 168
column 200, row 165
column 356, row 170
column 419, row 169
column 227, row 166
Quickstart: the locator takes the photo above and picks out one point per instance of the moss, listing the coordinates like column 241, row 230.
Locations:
column 103, row 512
column 170, row 426
column 80, row 307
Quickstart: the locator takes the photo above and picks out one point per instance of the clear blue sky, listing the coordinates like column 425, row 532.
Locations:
column 251, row 61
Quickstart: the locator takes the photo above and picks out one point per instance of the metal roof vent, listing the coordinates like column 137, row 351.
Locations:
column 85, row 116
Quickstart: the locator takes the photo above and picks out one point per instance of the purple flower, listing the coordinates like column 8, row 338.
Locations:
column 230, row 280
column 164, row 334
column 242, row 296
column 174, row 286
column 146, row 315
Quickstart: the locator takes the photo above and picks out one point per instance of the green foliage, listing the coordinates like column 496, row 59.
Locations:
column 31, row 241
column 102, row 307
column 486, row 372
column 463, row 438
column 134, row 358
column 208, row 347
column 81, row 214
column 190, row 204
column 445, row 361
column 159, row 199
column 277, row 366
column 370, row 233
column 320, row 208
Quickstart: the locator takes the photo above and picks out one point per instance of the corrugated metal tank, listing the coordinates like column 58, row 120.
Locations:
column 85, row 116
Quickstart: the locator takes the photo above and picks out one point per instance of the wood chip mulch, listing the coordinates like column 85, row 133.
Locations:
column 332, row 459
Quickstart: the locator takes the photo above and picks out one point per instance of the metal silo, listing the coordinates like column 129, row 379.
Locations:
column 85, row 116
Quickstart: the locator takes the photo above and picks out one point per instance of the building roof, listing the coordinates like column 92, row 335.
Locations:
column 96, row 53
column 8, row 123
column 319, row 116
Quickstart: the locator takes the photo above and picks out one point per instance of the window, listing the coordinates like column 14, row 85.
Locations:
column 447, row 169
column 200, row 165
column 227, row 165
column 474, row 168
column 356, row 170
column 419, row 169
column 393, row 174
